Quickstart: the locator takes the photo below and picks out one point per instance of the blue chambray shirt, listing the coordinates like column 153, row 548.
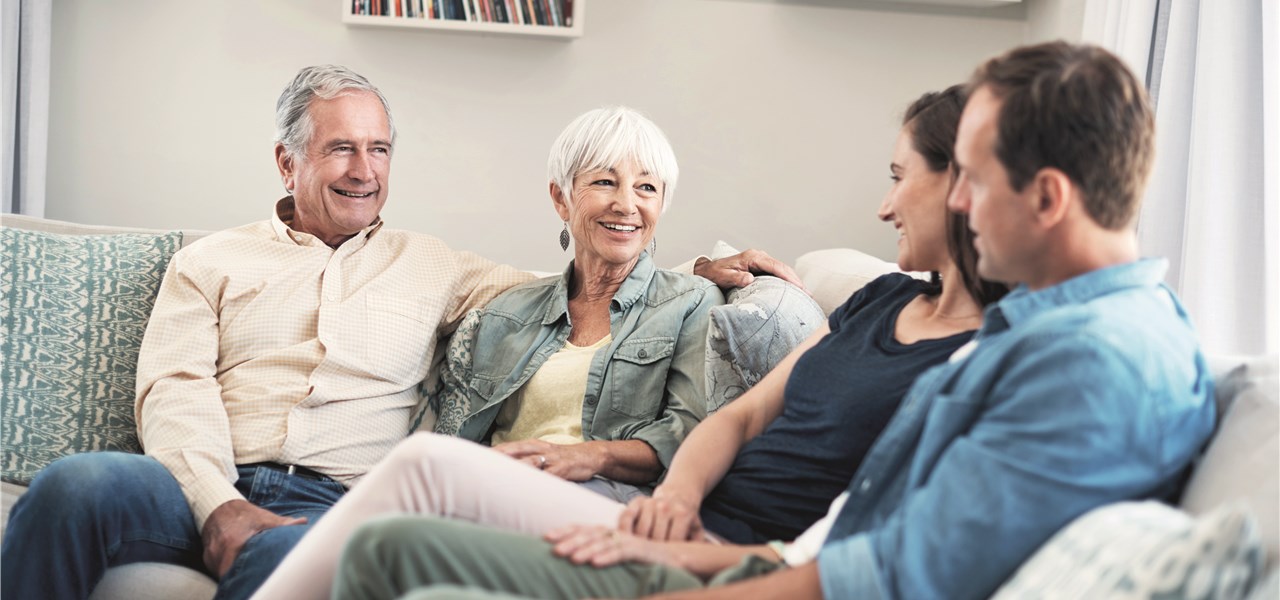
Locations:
column 1070, row 397
column 648, row 384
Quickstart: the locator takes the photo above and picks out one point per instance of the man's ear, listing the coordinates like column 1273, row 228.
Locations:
column 558, row 200
column 284, row 162
column 1055, row 192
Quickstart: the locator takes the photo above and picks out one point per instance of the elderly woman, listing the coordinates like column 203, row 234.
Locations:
column 591, row 377
column 767, row 467
column 597, row 375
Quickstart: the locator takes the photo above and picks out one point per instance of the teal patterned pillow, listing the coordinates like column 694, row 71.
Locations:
column 73, row 309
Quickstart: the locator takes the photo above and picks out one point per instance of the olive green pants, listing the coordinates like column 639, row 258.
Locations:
column 413, row 556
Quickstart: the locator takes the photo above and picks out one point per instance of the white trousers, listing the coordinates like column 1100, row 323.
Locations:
column 441, row 476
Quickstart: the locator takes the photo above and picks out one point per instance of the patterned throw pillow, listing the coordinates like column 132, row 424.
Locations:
column 750, row 334
column 73, row 309
column 1145, row 550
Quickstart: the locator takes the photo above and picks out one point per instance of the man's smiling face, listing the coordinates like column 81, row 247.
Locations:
column 340, row 184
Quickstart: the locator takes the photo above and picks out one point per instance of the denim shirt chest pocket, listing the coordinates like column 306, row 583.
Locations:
column 953, row 409
column 637, row 375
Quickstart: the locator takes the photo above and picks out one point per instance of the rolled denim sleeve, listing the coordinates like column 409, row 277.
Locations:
column 685, row 397
column 847, row 570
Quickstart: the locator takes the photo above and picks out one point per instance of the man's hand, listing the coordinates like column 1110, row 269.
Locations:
column 231, row 525
column 740, row 269
column 663, row 517
column 573, row 462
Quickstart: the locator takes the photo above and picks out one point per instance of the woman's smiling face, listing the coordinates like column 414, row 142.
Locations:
column 612, row 213
column 916, row 205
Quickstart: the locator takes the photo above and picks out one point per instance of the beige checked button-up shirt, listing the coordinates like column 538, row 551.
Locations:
column 265, row 344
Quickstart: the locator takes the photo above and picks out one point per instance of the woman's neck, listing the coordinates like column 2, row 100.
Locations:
column 954, row 303
column 595, row 281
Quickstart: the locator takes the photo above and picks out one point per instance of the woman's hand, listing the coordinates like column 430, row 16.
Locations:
column 665, row 517
column 574, row 462
column 601, row 546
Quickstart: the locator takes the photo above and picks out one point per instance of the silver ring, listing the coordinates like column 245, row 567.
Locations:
column 542, row 462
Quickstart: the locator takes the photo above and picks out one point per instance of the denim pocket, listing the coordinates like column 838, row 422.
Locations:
column 638, row 372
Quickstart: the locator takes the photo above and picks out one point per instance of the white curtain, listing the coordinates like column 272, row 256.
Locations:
column 1211, row 206
column 25, row 32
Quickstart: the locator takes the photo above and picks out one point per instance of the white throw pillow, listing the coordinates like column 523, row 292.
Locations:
column 833, row 275
column 1144, row 550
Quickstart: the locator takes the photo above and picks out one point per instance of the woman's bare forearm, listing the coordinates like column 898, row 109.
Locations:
column 705, row 559
column 709, row 451
column 799, row 583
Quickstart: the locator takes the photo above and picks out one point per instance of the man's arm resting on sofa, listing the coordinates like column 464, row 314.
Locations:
column 740, row 269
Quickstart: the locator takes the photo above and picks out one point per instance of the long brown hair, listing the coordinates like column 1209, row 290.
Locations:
column 932, row 121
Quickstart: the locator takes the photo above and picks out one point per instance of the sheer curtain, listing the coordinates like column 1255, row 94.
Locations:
column 1211, row 206
column 25, row 32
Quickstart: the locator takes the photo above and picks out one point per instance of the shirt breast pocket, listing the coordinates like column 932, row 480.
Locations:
column 397, row 339
column 950, row 417
column 639, row 375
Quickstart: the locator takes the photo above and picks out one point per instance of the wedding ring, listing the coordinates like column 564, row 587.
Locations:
column 542, row 462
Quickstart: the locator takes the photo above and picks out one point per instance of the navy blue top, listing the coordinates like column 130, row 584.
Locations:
column 840, row 396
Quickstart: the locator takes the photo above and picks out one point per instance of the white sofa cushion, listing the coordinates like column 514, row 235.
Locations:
column 1240, row 462
column 833, row 275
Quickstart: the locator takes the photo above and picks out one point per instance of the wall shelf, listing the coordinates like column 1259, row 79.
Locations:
column 475, row 26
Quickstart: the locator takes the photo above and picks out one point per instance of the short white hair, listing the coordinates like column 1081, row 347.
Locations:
column 606, row 137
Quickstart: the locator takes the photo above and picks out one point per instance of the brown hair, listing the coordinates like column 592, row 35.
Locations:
column 1078, row 109
column 931, row 121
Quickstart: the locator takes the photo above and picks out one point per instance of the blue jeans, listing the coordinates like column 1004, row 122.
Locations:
column 88, row 512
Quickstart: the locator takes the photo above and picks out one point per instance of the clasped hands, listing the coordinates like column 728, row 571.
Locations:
column 642, row 529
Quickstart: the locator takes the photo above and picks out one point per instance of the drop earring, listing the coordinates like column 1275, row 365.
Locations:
column 564, row 237
column 653, row 246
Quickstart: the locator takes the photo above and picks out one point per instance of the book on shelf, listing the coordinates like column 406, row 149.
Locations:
column 555, row 13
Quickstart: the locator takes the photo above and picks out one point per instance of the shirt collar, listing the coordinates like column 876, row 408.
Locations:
column 631, row 290
column 1022, row 304
column 282, row 223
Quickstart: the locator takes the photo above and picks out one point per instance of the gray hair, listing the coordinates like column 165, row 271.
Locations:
column 293, row 121
column 605, row 137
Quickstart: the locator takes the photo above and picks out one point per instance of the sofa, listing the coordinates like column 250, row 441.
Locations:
column 74, row 301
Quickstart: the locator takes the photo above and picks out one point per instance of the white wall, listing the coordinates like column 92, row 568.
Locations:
column 782, row 113
column 1049, row 20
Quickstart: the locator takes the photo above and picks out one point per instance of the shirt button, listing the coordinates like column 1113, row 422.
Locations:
column 866, row 485
column 642, row 353
column 591, row 400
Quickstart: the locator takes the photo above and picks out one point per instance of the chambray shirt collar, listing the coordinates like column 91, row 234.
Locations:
column 630, row 292
column 1022, row 304
column 282, row 224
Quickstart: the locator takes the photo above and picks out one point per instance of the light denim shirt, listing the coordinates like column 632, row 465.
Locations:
column 1074, row 396
column 647, row 384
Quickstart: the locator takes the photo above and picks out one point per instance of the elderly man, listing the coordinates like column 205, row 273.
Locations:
column 282, row 360
column 1084, row 386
